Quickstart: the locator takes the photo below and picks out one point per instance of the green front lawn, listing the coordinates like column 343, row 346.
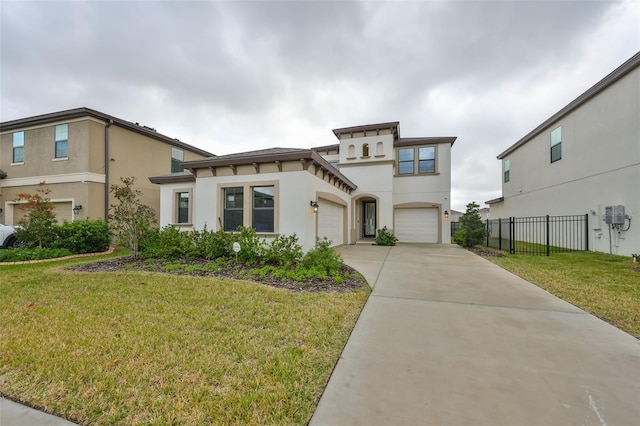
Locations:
column 604, row 285
column 145, row 348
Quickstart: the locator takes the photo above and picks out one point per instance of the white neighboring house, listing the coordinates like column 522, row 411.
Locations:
column 372, row 178
column 583, row 159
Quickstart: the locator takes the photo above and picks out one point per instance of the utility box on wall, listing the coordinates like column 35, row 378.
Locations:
column 614, row 215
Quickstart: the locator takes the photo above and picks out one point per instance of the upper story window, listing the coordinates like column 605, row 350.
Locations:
column 427, row 159
column 556, row 144
column 365, row 150
column 18, row 147
column 62, row 141
column 334, row 164
column 263, row 208
column 379, row 148
column 506, row 171
column 424, row 156
column 233, row 208
column 177, row 157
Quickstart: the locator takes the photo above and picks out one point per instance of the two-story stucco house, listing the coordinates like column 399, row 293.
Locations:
column 79, row 153
column 585, row 159
column 372, row 178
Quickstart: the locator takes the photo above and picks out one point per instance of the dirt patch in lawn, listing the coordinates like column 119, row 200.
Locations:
column 352, row 279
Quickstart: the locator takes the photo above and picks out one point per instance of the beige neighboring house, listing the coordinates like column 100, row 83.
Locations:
column 583, row 160
column 456, row 215
column 347, row 191
column 79, row 153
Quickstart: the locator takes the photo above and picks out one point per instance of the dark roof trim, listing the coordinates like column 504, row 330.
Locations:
column 83, row 112
column 327, row 147
column 614, row 76
column 301, row 154
column 173, row 178
column 424, row 141
column 393, row 125
column 495, row 200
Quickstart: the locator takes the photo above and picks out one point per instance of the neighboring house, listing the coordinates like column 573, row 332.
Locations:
column 455, row 215
column 79, row 153
column 372, row 178
column 583, row 159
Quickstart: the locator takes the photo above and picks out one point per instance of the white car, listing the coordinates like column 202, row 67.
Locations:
column 7, row 237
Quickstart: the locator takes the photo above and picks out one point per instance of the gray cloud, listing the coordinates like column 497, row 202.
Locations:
column 231, row 76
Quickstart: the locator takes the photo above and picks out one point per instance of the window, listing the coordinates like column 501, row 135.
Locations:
column 334, row 164
column 427, row 159
column 263, row 204
column 62, row 141
column 233, row 208
column 506, row 171
column 177, row 157
column 365, row 150
column 183, row 207
column 18, row 147
column 556, row 144
column 405, row 161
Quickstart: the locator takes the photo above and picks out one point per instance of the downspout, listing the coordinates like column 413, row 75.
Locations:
column 107, row 160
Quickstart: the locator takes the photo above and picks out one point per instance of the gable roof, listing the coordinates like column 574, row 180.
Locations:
column 600, row 86
column 84, row 112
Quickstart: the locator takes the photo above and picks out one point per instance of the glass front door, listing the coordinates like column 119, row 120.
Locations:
column 369, row 210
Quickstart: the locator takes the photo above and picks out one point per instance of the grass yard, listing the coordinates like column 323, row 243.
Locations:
column 601, row 284
column 146, row 348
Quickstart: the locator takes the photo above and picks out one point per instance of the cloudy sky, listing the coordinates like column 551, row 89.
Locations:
column 240, row 75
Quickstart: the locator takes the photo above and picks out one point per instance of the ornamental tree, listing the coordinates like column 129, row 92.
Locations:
column 130, row 218
column 471, row 230
column 37, row 225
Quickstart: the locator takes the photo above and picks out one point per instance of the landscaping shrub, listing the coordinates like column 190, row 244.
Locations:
column 323, row 257
column 471, row 230
column 385, row 238
column 283, row 251
column 252, row 248
column 26, row 254
column 82, row 236
column 167, row 243
column 211, row 244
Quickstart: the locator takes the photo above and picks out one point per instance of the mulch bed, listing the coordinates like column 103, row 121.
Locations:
column 238, row 271
column 485, row 253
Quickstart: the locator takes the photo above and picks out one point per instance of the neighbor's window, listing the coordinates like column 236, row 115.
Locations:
column 177, row 157
column 18, row 147
column 334, row 164
column 62, row 141
column 506, row 171
column 183, row 207
column 556, row 144
column 427, row 159
column 233, row 211
column 263, row 204
column 405, row 161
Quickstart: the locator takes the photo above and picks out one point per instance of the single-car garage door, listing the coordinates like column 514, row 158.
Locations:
column 416, row 225
column 331, row 221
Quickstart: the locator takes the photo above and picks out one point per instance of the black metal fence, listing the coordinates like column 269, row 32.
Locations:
column 537, row 235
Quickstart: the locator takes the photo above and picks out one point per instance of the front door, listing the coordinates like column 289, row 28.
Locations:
column 369, row 219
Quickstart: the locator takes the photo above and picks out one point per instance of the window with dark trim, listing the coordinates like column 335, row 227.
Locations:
column 18, row 147
column 420, row 160
column 233, row 208
column 262, row 215
column 556, row 144
column 427, row 159
column 182, row 203
column 62, row 141
column 177, row 157
column 506, row 171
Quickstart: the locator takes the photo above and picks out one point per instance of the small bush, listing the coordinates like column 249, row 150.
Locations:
column 211, row 245
column 82, row 236
column 252, row 248
column 385, row 238
column 323, row 257
column 27, row 254
column 167, row 243
column 283, row 251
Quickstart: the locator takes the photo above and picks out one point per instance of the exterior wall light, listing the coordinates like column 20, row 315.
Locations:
column 77, row 209
column 315, row 206
column 446, row 214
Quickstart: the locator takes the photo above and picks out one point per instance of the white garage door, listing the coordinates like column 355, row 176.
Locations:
column 331, row 221
column 417, row 225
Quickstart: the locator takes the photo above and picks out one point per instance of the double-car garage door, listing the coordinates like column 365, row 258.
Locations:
column 331, row 219
column 416, row 225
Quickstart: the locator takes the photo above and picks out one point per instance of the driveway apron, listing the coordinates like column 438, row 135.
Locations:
column 448, row 338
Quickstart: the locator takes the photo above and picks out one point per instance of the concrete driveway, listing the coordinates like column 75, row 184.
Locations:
column 448, row 338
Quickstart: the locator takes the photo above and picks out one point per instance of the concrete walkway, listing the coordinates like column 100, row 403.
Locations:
column 448, row 338
column 14, row 414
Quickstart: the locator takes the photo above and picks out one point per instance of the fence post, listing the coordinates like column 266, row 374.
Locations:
column 499, row 234
column 547, row 235
column 586, row 231
column 512, row 231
